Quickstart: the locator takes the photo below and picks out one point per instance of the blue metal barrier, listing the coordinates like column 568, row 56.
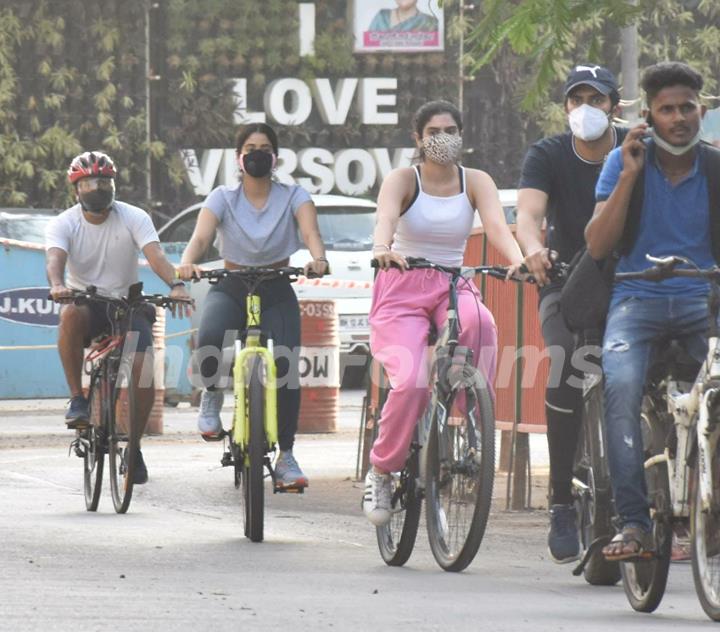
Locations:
column 29, row 363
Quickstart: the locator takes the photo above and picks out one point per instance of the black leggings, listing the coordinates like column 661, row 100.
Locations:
column 224, row 315
column 563, row 401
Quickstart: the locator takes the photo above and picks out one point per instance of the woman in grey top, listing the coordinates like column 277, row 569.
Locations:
column 257, row 223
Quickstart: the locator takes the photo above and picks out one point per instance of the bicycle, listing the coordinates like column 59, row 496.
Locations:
column 681, row 435
column 110, row 372
column 591, row 488
column 254, row 433
column 451, row 462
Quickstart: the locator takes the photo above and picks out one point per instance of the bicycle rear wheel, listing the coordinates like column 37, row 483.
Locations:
column 94, row 446
column 705, row 530
column 123, row 444
column 458, row 486
column 254, row 455
column 396, row 539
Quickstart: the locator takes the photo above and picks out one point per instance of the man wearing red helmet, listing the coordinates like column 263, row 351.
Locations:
column 97, row 242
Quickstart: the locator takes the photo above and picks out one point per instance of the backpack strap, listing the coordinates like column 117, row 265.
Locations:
column 632, row 219
column 711, row 163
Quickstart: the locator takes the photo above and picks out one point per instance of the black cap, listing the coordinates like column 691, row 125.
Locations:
column 595, row 76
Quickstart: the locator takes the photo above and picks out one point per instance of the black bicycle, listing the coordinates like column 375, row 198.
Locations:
column 591, row 478
column 451, row 462
column 112, row 428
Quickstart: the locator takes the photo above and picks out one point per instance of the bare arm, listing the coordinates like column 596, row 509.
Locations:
column 159, row 263
column 55, row 260
column 207, row 223
column 606, row 227
column 306, row 217
column 532, row 208
column 395, row 192
column 484, row 196
column 166, row 271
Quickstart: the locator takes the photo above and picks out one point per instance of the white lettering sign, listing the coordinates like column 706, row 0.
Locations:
column 351, row 171
column 306, row 17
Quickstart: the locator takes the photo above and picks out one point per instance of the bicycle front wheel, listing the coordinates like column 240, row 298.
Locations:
column 254, row 455
column 396, row 539
column 123, row 444
column 593, row 499
column 94, row 447
column 705, row 530
column 459, row 480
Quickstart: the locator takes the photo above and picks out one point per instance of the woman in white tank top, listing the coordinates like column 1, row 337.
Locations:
column 426, row 211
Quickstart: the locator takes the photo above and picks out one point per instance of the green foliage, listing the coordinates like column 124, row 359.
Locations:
column 67, row 85
column 73, row 78
column 552, row 35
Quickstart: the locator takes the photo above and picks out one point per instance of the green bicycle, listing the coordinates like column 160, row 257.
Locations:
column 254, row 433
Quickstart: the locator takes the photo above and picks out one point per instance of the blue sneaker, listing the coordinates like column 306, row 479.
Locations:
column 209, row 423
column 78, row 413
column 288, row 472
column 563, row 541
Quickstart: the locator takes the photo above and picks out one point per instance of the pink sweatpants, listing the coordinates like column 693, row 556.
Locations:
column 404, row 305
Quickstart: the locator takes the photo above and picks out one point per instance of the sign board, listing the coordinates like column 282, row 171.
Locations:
column 400, row 26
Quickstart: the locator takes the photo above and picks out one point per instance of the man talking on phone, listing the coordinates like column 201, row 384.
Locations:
column 678, row 214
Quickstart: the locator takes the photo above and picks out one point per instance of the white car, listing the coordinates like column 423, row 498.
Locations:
column 346, row 225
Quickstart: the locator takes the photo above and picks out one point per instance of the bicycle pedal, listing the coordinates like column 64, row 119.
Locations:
column 288, row 489
column 227, row 459
column 212, row 438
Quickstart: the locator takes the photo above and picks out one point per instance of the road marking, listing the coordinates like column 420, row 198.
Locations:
column 35, row 479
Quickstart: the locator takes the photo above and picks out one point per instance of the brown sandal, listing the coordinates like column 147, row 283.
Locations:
column 640, row 541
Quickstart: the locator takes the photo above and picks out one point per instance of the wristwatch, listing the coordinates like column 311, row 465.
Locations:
column 177, row 283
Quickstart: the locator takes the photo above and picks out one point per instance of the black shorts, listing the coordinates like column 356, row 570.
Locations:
column 100, row 324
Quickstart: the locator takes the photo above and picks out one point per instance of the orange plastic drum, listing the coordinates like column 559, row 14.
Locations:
column 319, row 366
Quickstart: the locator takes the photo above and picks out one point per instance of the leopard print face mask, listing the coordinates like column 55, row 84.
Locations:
column 442, row 148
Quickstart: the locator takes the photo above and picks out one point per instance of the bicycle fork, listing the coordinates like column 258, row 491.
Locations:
column 241, row 419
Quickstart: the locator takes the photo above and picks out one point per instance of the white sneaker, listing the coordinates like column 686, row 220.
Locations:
column 377, row 497
column 208, row 422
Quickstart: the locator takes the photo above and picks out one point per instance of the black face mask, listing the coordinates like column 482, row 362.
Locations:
column 96, row 201
column 257, row 163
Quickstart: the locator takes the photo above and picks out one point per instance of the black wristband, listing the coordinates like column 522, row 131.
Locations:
column 177, row 283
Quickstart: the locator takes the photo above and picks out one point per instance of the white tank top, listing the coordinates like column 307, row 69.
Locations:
column 435, row 228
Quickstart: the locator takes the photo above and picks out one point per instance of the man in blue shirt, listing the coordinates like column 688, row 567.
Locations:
column 675, row 219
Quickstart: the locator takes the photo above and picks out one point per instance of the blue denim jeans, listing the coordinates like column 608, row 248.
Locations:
column 633, row 326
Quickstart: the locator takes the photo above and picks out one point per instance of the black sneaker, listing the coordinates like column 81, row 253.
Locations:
column 141, row 475
column 563, row 541
column 78, row 413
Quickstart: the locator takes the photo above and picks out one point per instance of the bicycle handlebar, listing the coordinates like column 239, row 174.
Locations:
column 90, row 294
column 665, row 268
column 558, row 271
column 252, row 273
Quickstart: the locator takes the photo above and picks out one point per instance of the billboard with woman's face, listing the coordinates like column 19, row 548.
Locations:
column 398, row 26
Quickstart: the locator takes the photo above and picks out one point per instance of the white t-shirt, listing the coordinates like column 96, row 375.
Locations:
column 104, row 255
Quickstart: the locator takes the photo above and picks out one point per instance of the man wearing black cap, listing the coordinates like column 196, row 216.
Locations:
column 558, row 185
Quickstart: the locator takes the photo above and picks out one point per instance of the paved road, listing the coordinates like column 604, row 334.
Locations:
column 178, row 559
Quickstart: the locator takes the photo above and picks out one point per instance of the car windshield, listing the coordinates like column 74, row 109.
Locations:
column 346, row 228
column 24, row 227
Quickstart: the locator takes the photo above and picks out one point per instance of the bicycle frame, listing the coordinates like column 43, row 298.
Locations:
column 243, row 353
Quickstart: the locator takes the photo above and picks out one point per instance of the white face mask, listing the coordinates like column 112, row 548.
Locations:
column 588, row 123
column 676, row 150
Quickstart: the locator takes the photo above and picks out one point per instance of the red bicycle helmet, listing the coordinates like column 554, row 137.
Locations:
column 91, row 164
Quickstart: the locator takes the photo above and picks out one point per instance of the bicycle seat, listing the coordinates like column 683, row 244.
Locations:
column 671, row 358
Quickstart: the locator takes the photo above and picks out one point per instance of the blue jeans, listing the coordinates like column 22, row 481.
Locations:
column 633, row 326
